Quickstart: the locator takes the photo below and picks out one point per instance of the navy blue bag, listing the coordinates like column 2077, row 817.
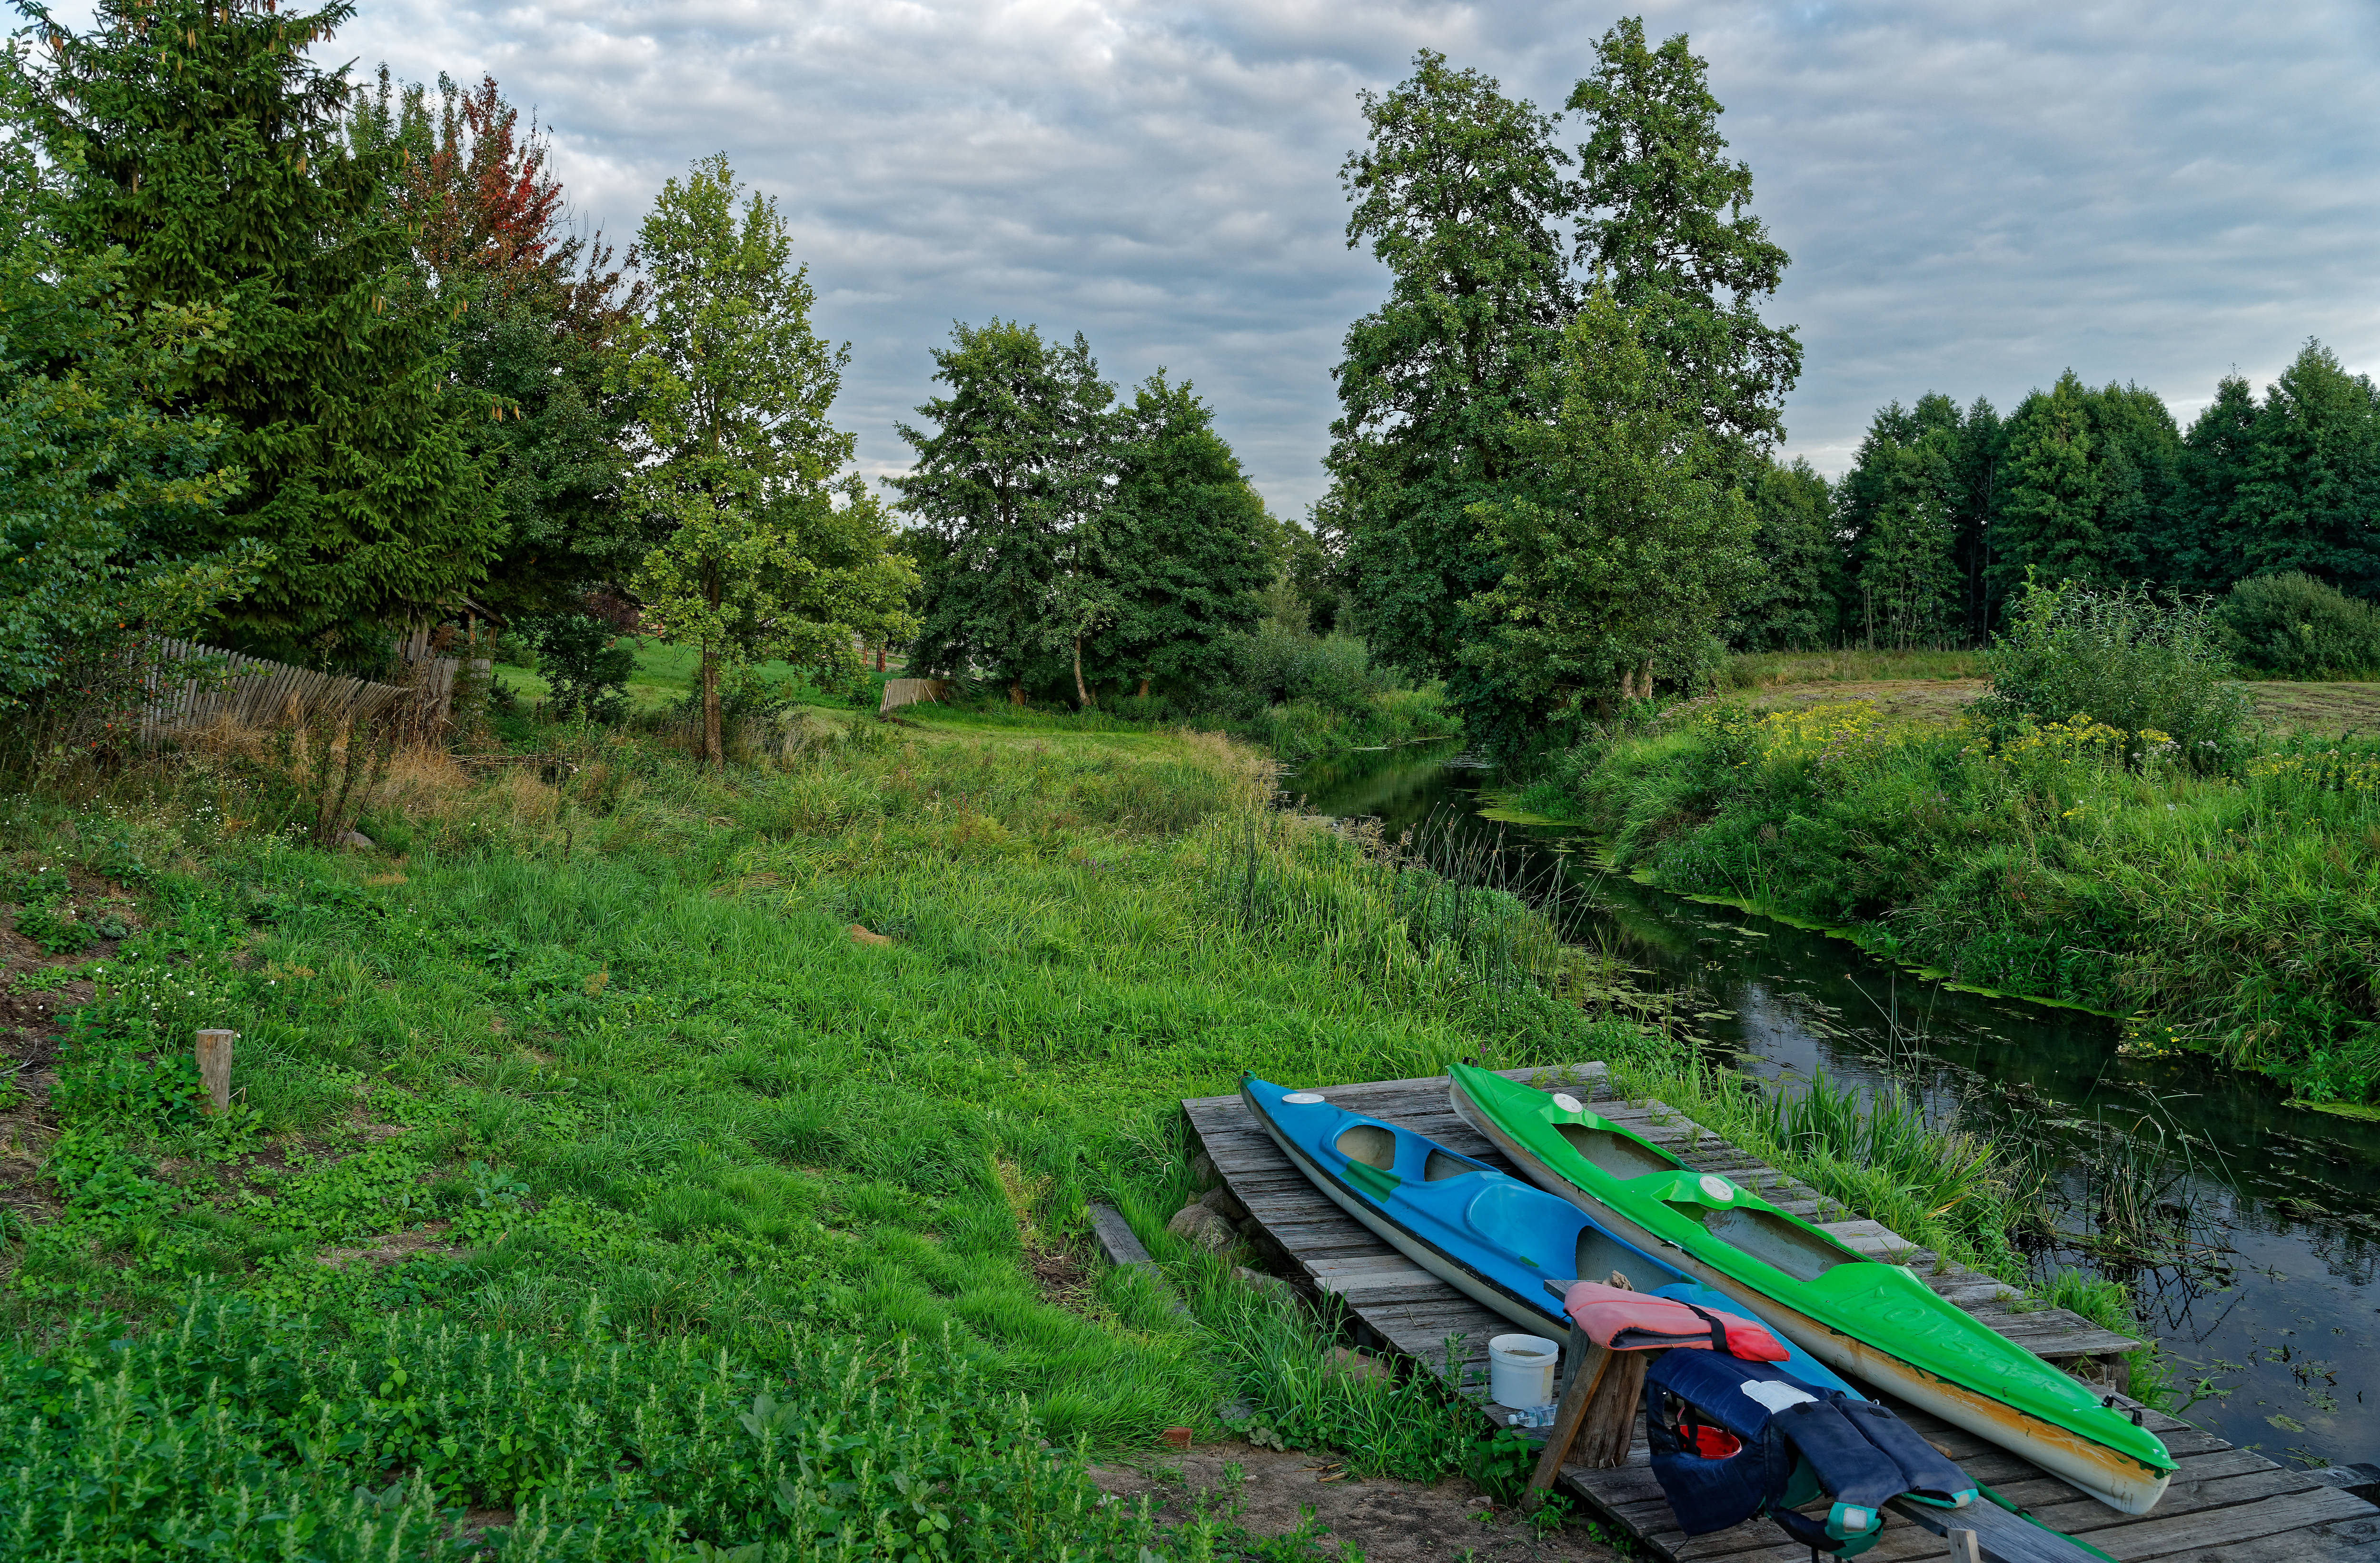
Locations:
column 1748, row 1439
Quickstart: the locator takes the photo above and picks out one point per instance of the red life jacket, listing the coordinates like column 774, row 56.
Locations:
column 1635, row 1321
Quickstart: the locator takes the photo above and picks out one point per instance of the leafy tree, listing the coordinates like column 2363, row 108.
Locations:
column 535, row 317
column 737, row 461
column 1000, row 486
column 1182, row 547
column 1459, row 194
column 91, row 469
column 1796, row 604
column 586, row 668
column 1627, row 544
column 1664, row 219
column 197, row 136
column 2308, row 497
column 1314, row 574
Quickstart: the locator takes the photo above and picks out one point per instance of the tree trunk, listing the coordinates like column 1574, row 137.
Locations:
column 1082, row 695
column 880, row 656
column 1144, row 688
column 714, row 751
column 1016, row 692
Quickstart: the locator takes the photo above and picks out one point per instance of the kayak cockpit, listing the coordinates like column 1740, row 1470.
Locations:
column 1800, row 1251
column 1620, row 1155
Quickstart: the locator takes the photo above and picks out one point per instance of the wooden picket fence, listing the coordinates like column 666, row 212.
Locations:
column 899, row 692
column 247, row 691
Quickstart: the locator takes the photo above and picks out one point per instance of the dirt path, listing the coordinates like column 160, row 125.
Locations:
column 1383, row 1521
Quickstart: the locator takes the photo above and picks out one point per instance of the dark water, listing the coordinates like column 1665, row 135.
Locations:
column 2265, row 1295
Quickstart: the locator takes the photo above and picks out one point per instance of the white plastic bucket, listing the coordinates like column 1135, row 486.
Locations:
column 1521, row 1370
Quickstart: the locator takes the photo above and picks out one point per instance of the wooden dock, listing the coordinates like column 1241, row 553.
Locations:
column 2225, row 1505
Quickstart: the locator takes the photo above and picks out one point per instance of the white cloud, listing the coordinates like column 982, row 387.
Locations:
column 1977, row 196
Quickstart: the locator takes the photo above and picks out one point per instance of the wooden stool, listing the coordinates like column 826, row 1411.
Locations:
column 1596, row 1414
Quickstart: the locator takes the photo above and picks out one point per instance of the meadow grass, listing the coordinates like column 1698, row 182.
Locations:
column 586, row 1061
column 2234, row 913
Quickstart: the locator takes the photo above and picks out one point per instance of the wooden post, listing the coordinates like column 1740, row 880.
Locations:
column 214, row 1069
column 1963, row 1548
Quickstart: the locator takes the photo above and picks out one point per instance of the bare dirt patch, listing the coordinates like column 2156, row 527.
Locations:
column 394, row 1248
column 1387, row 1521
column 1061, row 1271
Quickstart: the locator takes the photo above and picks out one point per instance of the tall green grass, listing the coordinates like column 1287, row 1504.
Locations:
column 2073, row 862
column 597, row 1062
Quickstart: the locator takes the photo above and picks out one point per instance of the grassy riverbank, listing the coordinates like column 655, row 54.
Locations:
column 575, row 1117
column 2235, row 914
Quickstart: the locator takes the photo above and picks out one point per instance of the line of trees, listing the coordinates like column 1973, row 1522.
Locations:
column 302, row 367
column 1069, row 540
column 1930, row 534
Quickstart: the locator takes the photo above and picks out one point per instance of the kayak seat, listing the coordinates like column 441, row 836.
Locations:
column 1802, row 1254
column 1615, row 1152
column 1368, row 1144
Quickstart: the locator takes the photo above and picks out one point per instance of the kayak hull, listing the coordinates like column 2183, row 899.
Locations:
column 2110, row 1475
column 1468, row 1223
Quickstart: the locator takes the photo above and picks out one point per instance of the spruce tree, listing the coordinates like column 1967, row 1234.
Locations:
column 201, row 138
column 2309, row 496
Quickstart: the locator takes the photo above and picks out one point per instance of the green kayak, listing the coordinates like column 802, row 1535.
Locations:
column 1859, row 1315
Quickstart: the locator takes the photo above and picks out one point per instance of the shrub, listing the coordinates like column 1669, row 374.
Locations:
column 2120, row 658
column 2294, row 627
column 1279, row 667
column 585, row 667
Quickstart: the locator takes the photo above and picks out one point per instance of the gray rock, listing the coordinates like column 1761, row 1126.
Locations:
column 1202, row 1169
column 357, row 838
column 1259, row 1279
column 1352, row 1363
column 1196, row 1224
column 1225, row 1204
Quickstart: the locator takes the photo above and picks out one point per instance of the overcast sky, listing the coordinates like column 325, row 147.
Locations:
column 1975, row 196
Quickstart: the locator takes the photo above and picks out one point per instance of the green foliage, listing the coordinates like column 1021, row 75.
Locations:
column 535, row 320
column 1666, row 222
column 1179, row 549
column 2310, row 482
column 739, row 463
column 1625, row 546
column 1010, row 470
column 2088, row 472
column 89, row 471
column 1796, row 604
column 1914, row 510
column 2071, row 861
column 2120, row 658
column 1460, row 193
column 586, row 667
column 202, row 141
column 2292, row 626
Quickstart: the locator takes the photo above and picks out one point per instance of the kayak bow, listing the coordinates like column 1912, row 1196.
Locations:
column 1859, row 1315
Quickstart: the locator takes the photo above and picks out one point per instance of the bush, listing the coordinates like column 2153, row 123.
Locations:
column 585, row 667
column 2120, row 658
column 2292, row 626
column 1278, row 666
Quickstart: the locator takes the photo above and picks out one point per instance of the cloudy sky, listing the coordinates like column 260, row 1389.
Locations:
column 1975, row 195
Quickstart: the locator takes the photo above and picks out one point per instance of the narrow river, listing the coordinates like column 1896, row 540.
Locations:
column 2270, row 1313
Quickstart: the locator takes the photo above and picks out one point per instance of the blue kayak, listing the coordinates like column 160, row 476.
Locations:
column 1483, row 1232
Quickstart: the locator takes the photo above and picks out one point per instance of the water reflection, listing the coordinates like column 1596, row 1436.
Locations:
column 2268, row 1291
